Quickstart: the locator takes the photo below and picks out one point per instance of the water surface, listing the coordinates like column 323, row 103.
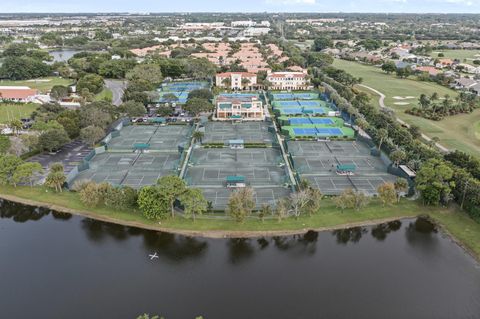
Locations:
column 59, row 266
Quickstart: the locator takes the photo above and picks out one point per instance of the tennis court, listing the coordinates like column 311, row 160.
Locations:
column 294, row 96
column 250, row 132
column 292, row 111
column 311, row 120
column 263, row 169
column 159, row 137
column 180, row 90
column 318, row 131
column 317, row 162
column 242, row 158
column 131, row 169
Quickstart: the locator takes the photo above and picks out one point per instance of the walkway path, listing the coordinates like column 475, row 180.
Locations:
column 381, row 101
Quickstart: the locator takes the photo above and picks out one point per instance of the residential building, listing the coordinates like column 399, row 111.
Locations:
column 255, row 32
column 17, row 94
column 236, row 80
column 288, row 80
column 239, row 107
column 464, row 83
column 428, row 69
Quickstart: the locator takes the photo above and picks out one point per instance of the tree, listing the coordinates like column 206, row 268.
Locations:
column 196, row 106
column 382, row 135
column 361, row 123
column 387, row 194
column 58, row 92
column 56, row 178
column 133, row 109
column 404, row 72
column 319, row 59
column 398, row 156
column 198, row 136
column 152, row 203
column 15, row 125
column 53, row 139
column 200, row 68
column 205, row 94
column 227, row 82
column 401, row 186
column 170, row 188
column 8, row 166
column 164, row 111
column 424, row 101
column 434, row 181
column 265, row 210
column 170, row 98
column 389, row 67
column 245, row 82
column 92, row 82
column 281, row 210
column 90, row 195
column 194, row 202
column 116, row 69
column 151, row 73
column 314, row 201
column 415, row 131
column 360, row 199
column 343, row 201
column 23, row 68
column 4, row 144
column 322, row 43
column 91, row 134
column 241, row 204
column 25, row 172
column 298, row 201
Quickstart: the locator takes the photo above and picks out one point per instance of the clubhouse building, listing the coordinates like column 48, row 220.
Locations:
column 288, row 81
column 247, row 107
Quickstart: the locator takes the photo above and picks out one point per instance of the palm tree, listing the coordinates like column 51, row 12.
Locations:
column 245, row 82
column 198, row 136
column 382, row 134
column 361, row 123
column 227, row 82
column 401, row 185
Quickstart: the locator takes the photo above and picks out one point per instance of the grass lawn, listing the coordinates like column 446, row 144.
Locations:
column 455, row 132
column 43, row 84
column 455, row 222
column 106, row 94
column 9, row 112
column 465, row 56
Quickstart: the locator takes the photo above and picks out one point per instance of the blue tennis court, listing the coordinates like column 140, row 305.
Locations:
column 321, row 121
column 287, row 103
column 314, row 110
column 239, row 95
column 305, row 131
column 323, row 131
column 309, row 103
column 299, row 121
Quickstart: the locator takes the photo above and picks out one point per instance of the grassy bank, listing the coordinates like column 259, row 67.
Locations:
column 459, row 225
column 105, row 95
column 454, row 132
column 43, row 84
column 11, row 111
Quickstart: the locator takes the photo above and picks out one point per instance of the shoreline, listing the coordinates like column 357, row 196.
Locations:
column 214, row 234
column 221, row 234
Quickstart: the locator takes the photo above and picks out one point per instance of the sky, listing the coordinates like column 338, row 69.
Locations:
column 410, row 6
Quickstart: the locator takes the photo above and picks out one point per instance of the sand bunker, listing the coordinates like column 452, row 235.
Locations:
column 401, row 103
column 403, row 97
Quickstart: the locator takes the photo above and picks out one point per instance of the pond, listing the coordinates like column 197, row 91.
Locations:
column 55, row 265
column 63, row 55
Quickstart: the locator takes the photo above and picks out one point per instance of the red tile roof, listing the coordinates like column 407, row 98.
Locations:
column 12, row 93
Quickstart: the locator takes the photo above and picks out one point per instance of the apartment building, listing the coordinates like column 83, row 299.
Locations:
column 236, row 80
column 288, row 81
column 239, row 107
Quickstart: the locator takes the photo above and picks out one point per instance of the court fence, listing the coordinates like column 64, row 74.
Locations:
column 84, row 165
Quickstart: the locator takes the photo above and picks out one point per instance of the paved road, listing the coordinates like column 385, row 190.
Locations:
column 381, row 101
column 117, row 87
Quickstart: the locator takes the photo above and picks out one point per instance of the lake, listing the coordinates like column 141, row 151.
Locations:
column 63, row 55
column 55, row 265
